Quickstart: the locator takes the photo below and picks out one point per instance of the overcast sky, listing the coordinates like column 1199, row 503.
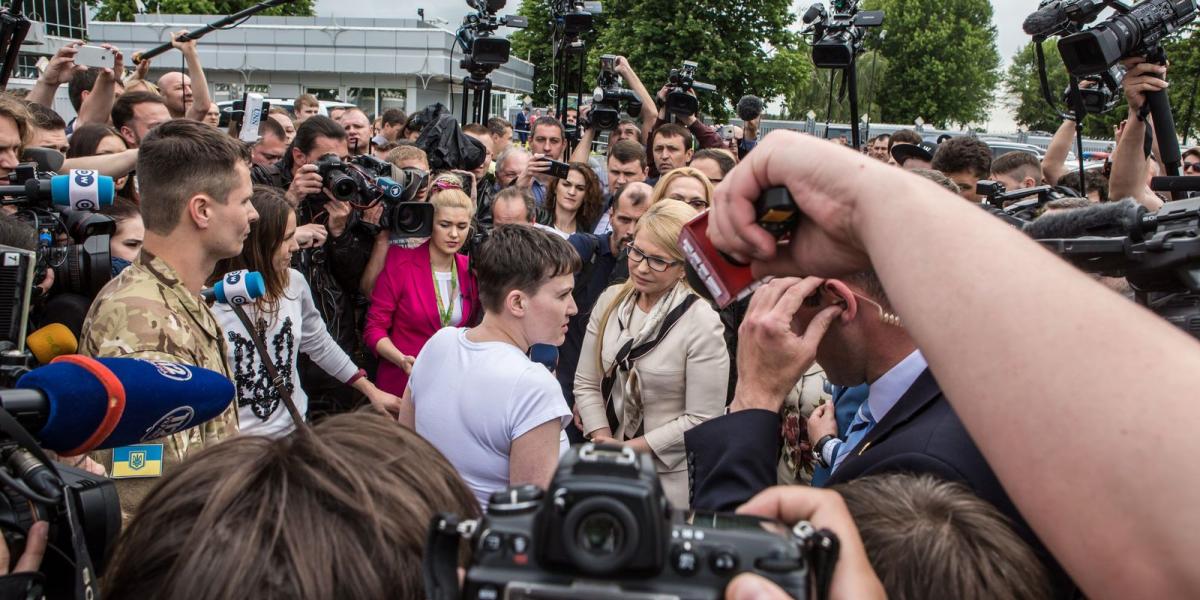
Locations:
column 1008, row 15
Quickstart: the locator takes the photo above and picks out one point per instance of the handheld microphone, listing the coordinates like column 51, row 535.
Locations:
column 51, row 342
column 749, row 107
column 78, row 404
column 1112, row 219
column 236, row 287
column 82, row 189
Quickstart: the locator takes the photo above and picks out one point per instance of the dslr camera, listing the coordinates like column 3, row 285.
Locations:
column 608, row 96
column 604, row 529
column 59, row 206
column 364, row 180
column 681, row 81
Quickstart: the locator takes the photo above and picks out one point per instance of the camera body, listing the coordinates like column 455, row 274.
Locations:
column 838, row 37
column 484, row 52
column 681, row 81
column 1104, row 92
column 604, row 529
column 574, row 17
column 1134, row 31
column 608, row 96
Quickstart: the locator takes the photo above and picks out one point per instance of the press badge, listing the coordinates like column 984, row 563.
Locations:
column 143, row 460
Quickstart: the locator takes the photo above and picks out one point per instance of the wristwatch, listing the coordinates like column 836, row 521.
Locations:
column 817, row 449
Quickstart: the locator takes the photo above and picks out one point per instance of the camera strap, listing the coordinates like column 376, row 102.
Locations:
column 85, row 579
column 276, row 379
column 628, row 355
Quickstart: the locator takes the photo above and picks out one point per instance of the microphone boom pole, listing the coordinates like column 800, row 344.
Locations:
column 138, row 57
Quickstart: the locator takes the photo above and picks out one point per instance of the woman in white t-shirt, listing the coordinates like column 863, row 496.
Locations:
column 287, row 319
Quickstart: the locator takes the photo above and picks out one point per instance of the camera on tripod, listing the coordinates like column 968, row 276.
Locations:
column 607, row 99
column 575, row 17
column 604, row 529
column 62, row 206
column 484, row 52
column 838, row 38
column 1133, row 31
column 681, row 81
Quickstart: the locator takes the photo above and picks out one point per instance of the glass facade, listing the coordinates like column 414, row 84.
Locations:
column 63, row 18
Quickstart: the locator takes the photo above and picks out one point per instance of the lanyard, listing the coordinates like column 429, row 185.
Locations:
column 446, row 308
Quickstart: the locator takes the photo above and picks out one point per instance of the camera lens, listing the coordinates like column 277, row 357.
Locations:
column 342, row 186
column 408, row 219
column 600, row 533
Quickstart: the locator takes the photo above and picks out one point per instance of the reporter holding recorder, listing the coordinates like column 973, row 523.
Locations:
column 648, row 401
column 423, row 289
column 287, row 320
column 858, row 212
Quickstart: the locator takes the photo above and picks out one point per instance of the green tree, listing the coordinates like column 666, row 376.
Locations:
column 741, row 47
column 124, row 10
column 1023, row 85
column 1183, row 50
column 813, row 93
column 943, row 57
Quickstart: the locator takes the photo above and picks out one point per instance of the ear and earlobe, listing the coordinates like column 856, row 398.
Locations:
column 842, row 297
column 516, row 303
column 199, row 209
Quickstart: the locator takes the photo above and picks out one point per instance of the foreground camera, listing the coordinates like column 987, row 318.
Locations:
column 604, row 530
column 1135, row 33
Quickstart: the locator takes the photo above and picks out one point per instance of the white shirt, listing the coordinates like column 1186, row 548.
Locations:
column 297, row 328
column 446, row 290
column 886, row 391
column 472, row 399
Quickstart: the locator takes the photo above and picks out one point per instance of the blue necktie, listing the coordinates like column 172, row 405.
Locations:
column 863, row 421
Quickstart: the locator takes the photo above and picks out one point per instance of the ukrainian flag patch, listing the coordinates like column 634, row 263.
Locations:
column 143, row 460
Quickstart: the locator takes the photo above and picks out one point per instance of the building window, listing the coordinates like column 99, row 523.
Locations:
column 63, row 18
column 327, row 94
column 363, row 98
column 392, row 98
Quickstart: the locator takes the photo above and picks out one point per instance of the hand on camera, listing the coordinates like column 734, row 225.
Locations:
column 311, row 235
column 35, row 549
column 118, row 68
column 853, row 576
column 537, row 166
column 622, row 67
column 62, row 67
column 827, row 183
column 1141, row 78
column 772, row 353
column 339, row 215
column 306, row 182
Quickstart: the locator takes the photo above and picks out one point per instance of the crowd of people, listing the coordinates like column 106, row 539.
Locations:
column 903, row 384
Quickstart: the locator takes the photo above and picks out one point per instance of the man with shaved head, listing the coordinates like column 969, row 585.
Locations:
column 358, row 130
column 186, row 96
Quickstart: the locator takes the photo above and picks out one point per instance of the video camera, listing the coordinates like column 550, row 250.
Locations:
column 574, row 17
column 364, row 180
column 1134, row 31
column 1103, row 94
column 604, row 529
column 484, row 52
column 606, row 100
column 838, row 38
column 681, row 81
column 1157, row 253
column 1013, row 206
column 63, row 205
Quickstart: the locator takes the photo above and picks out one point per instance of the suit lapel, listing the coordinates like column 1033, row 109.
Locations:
column 422, row 280
column 465, row 288
column 923, row 391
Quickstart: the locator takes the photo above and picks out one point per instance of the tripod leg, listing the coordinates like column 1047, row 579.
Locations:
column 852, row 85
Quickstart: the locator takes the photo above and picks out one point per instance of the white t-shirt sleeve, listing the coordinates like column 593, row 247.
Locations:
column 537, row 398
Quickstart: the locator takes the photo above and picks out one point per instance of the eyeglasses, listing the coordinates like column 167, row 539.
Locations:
column 699, row 204
column 1191, row 167
column 656, row 263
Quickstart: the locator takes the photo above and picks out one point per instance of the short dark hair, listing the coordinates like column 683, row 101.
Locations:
column 82, row 81
column 926, row 537
column 122, row 209
column 905, row 136
column 526, row 197
column 674, row 130
column 45, row 118
column 547, row 122
column 393, row 116
column 272, row 127
column 1193, row 151
column 122, row 111
column 1025, row 163
column 180, row 159
column 315, row 127
column 476, row 128
column 723, row 158
column 936, row 177
column 86, row 139
column 519, row 257
column 963, row 154
column 1093, row 181
column 626, row 151
column 497, row 126
column 305, row 100
column 17, row 110
column 882, row 136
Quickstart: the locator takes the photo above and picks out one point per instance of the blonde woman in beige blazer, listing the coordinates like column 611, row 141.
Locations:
column 679, row 384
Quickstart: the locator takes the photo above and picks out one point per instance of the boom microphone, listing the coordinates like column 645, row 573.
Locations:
column 1112, row 219
column 236, row 287
column 1046, row 21
column 78, row 404
column 749, row 107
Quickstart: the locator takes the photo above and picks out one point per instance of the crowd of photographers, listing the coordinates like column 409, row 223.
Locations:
column 447, row 309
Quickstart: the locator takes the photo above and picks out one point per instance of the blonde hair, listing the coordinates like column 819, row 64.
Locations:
column 660, row 188
column 451, row 197
column 662, row 223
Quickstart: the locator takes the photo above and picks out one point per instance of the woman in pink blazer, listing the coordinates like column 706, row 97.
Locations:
column 421, row 290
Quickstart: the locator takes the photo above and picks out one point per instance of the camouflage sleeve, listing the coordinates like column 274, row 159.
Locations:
column 137, row 326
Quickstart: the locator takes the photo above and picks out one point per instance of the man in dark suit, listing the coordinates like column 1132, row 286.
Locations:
column 906, row 424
